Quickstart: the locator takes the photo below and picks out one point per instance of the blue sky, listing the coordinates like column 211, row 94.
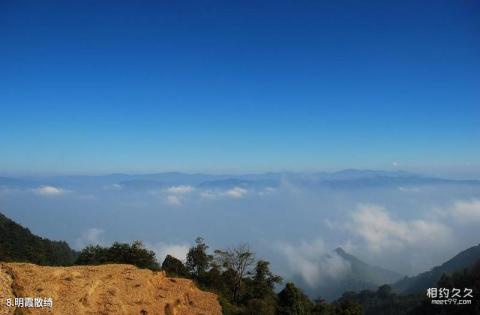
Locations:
column 223, row 86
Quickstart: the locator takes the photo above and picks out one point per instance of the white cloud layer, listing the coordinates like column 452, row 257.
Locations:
column 182, row 189
column 209, row 195
column 236, row 192
column 173, row 200
column 92, row 236
column 313, row 261
column 49, row 191
column 113, row 187
column 266, row 191
column 467, row 211
column 161, row 250
column 374, row 225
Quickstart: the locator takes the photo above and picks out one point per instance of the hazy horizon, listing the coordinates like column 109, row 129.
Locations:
column 446, row 174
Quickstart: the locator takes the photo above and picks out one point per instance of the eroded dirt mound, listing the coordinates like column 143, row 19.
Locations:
column 106, row 289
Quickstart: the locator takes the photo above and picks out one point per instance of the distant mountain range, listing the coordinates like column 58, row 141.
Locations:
column 344, row 179
column 428, row 279
column 18, row 244
column 235, row 182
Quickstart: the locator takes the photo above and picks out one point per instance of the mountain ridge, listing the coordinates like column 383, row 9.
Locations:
column 17, row 243
column 464, row 259
column 360, row 276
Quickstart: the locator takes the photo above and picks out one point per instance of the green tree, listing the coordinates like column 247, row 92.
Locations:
column 260, row 306
column 213, row 279
column 321, row 307
column 119, row 253
column 264, row 280
column 174, row 267
column 384, row 291
column 238, row 259
column 348, row 307
column 292, row 301
column 198, row 260
column 92, row 255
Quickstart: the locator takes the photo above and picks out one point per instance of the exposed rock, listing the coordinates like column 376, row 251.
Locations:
column 106, row 289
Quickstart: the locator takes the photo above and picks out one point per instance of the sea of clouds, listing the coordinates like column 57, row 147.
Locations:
column 294, row 224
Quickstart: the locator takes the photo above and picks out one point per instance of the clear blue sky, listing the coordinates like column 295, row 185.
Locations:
column 140, row 86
